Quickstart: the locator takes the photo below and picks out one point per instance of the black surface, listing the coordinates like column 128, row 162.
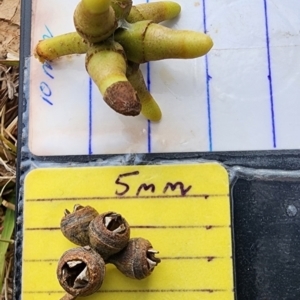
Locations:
column 25, row 33
column 267, row 239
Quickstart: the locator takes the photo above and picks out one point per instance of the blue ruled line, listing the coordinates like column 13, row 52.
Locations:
column 90, row 115
column 149, row 122
column 208, row 78
column 46, row 100
column 270, row 75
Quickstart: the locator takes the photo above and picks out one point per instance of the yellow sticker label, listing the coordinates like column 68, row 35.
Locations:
column 184, row 210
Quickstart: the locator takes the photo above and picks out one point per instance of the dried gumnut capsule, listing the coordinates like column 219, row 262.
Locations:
column 109, row 233
column 74, row 226
column 137, row 260
column 81, row 271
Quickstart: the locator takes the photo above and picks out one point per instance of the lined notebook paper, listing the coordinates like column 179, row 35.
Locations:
column 186, row 217
column 242, row 96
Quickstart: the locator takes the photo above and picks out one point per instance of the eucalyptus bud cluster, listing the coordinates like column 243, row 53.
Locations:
column 114, row 34
column 104, row 238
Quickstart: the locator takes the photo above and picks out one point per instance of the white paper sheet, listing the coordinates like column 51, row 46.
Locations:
column 244, row 95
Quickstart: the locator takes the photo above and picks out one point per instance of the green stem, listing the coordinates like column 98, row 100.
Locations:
column 94, row 25
column 96, row 6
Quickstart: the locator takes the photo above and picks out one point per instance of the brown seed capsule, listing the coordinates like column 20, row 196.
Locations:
column 109, row 233
column 74, row 226
column 68, row 297
column 80, row 271
column 137, row 260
